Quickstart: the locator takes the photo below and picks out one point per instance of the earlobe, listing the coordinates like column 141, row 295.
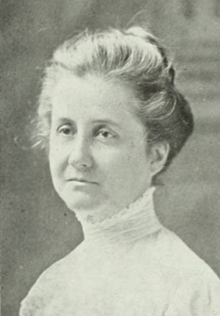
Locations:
column 159, row 154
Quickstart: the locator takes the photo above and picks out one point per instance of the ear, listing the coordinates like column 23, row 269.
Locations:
column 159, row 153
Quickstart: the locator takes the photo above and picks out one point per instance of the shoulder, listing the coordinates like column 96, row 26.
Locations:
column 165, row 253
column 44, row 289
column 176, row 255
column 195, row 288
column 197, row 295
column 169, row 257
column 57, row 271
column 186, row 284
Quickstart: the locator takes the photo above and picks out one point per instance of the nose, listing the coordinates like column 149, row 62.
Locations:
column 80, row 155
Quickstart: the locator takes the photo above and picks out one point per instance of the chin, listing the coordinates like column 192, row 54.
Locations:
column 80, row 201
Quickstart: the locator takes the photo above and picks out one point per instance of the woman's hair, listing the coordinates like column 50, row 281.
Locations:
column 136, row 58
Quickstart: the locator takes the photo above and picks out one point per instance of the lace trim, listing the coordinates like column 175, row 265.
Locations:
column 128, row 211
column 130, row 224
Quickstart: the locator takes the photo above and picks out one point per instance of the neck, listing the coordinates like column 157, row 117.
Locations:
column 127, row 226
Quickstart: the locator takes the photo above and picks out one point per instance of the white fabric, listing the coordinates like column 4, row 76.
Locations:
column 128, row 265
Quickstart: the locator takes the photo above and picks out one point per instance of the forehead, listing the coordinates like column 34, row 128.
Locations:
column 92, row 96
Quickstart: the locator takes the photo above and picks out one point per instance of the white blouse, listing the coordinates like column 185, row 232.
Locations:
column 127, row 265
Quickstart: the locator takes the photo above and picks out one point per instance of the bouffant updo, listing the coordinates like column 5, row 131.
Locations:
column 135, row 57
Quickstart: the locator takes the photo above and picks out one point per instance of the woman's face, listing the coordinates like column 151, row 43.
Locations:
column 97, row 148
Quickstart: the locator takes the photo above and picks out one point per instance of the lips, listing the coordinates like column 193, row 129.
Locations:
column 82, row 180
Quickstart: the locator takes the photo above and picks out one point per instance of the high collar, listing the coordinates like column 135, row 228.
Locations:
column 127, row 226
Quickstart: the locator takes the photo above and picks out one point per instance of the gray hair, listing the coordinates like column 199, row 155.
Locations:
column 135, row 57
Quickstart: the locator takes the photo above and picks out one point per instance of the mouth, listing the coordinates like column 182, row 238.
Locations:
column 82, row 181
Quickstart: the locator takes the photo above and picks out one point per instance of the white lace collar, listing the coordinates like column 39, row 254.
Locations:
column 129, row 225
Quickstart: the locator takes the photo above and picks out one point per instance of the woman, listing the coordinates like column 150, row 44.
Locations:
column 112, row 120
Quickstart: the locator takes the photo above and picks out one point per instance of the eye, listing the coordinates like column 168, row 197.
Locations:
column 65, row 130
column 105, row 134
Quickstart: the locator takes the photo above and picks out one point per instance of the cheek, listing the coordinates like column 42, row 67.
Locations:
column 134, row 167
column 57, row 159
column 54, row 169
column 127, row 163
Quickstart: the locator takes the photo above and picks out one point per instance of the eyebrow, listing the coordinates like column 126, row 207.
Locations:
column 100, row 121
column 106, row 121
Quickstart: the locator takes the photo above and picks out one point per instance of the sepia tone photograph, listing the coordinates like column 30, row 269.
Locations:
column 110, row 169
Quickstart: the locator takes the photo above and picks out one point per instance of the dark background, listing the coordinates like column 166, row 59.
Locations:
column 37, row 229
